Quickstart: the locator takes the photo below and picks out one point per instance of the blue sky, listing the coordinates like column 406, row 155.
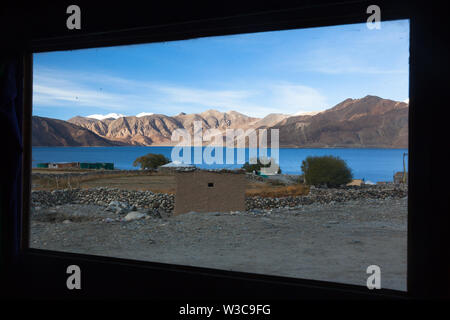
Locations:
column 256, row 74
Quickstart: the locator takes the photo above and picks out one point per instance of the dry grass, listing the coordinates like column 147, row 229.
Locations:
column 60, row 171
column 275, row 191
column 154, row 182
column 94, row 180
column 52, row 183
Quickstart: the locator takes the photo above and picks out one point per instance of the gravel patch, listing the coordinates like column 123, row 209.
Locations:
column 328, row 240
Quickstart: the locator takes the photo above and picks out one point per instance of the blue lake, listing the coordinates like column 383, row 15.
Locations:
column 369, row 164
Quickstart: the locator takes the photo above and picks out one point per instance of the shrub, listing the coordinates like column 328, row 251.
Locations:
column 151, row 161
column 327, row 170
column 257, row 166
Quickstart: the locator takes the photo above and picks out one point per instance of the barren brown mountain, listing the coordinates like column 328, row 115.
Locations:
column 354, row 123
column 54, row 132
column 157, row 129
column 270, row 120
column 148, row 130
column 369, row 122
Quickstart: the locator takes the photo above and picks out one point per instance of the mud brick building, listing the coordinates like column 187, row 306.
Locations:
column 209, row 191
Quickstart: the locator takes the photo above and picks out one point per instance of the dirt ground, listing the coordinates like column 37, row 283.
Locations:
column 334, row 242
column 155, row 183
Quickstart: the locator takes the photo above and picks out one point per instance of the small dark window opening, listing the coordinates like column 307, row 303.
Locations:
column 210, row 184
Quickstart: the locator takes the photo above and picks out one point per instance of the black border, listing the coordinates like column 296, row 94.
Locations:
column 41, row 274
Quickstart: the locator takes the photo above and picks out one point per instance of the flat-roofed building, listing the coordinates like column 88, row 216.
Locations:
column 175, row 165
column 62, row 165
column 209, row 191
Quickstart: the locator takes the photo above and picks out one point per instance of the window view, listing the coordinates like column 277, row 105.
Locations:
column 281, row 153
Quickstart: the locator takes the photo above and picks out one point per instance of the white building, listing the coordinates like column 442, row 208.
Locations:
column 174, row 165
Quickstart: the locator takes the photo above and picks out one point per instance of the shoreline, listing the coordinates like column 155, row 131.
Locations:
column 371, row 164
column 281, row 147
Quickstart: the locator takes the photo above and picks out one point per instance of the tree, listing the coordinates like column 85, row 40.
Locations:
column 326, row 170
column 258, row 165
column 151, row 161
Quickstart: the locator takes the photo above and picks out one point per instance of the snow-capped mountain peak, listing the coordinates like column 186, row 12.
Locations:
column 116, row 115
column 105, row 116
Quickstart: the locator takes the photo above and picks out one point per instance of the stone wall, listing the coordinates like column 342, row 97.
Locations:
column 229, row 200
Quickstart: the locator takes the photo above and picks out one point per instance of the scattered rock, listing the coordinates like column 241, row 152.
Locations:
column 164, row 214
column 134, row 215
column 121, row 211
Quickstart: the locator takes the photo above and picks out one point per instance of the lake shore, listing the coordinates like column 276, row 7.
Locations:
column 370, row 164
column 281, row 147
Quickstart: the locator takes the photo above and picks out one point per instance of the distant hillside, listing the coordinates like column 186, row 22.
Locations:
column 369, row 122
column 353, row 123
column 270, row 120
column 52, row 133
column 156, row 129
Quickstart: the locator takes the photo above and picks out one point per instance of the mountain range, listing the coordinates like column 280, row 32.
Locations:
column 369, row 122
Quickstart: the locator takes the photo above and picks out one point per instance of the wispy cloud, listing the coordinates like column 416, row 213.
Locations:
column 346, row 64
column 294, row 96
column 355, row 50
column 56, row 88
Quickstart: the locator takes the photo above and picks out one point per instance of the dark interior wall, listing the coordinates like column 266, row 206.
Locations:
column 42, row 26
column 45, row 21
column 11, row 116
column 428, row 200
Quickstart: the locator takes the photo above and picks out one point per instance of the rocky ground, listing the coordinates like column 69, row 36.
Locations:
column 331, row 234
